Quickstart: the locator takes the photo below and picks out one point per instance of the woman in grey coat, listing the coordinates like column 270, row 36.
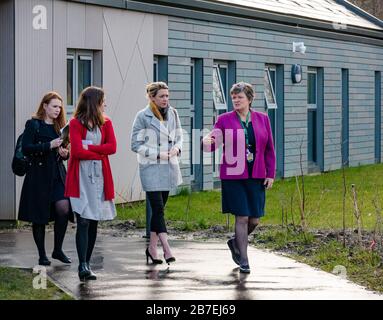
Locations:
column 157, row 140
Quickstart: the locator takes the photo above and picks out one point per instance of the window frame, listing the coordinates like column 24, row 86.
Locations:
column 312, row 106
column 192, row 116
column 155, row 68
column 217, row 111
column 219, row 106
column 273, row 106
column 75, row 56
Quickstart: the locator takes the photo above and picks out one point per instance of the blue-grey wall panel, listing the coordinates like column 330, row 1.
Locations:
column 252, row 48
column 7, row 109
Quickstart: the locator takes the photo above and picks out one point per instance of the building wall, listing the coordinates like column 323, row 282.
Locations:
column 124, row 44
column 7, row 109
column 252, row 49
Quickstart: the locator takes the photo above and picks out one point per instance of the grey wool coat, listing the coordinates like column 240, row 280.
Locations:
column 149, row 138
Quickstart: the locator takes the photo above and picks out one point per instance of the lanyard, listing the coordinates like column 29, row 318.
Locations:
column 245, row 127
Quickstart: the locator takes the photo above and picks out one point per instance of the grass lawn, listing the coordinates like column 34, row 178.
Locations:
column 323, row 202
column 16, row 284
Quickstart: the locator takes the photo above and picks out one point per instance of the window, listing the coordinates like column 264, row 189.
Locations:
column 312, row 90
column 160, row 68
column 79, row 75
column 271, row 101
column 270, row 98
column 378, row 116
column 345, row 117
column 219, row 98
column 192, row 116
column 155, row 69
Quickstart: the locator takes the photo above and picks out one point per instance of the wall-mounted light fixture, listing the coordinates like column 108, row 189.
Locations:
column 299, row 47
column 296, row 73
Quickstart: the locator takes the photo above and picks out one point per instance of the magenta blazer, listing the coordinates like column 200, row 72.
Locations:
column 229, row 132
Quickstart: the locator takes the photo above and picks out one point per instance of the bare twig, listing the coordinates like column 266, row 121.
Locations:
column 378, row 222
column 301, row 206
column 344, row 205
column 357, row 213
column 291, row 211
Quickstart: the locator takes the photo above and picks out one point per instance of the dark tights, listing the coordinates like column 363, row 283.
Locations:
column 86, row 235
column 62, row 209
column 243, row 227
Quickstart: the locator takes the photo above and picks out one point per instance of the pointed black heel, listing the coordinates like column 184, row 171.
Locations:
column 148, row 255
column 171, row 259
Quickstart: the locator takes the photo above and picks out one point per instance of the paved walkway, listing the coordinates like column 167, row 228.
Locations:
column 203, row 270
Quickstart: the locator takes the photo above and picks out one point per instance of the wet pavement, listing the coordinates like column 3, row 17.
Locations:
column 203, row 270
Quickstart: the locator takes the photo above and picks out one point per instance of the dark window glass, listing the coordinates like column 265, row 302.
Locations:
column 70, row 82
column 192, row 85
column 311, row 88
column 84, row 74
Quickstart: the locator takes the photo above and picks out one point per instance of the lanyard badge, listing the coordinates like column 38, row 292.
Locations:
column 249, row 154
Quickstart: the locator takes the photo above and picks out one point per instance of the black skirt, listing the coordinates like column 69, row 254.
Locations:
column 244, row 197
column 58, row 188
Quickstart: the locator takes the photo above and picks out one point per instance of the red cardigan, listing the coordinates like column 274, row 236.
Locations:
column 77, row 133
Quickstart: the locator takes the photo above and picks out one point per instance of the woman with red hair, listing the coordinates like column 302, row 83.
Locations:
column 42, row 197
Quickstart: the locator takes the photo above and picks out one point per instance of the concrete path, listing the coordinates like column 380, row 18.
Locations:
column 203, row 270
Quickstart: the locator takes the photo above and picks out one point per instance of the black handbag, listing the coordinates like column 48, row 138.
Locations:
column 20, row 162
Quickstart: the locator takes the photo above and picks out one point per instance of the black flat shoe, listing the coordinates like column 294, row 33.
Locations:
column 44, row 261
column 92, row 275
column 148, row 255
column 61, row 256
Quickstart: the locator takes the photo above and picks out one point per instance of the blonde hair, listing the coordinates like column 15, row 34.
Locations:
column 60, row 121
column 153, row 88
column 151, row 91
column 244, row 87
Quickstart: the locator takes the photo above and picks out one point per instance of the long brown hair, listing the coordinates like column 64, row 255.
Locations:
column 60, row 121
column 88, row 109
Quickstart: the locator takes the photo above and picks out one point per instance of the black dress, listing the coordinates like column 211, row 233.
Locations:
column 245, row 197
column 45, row 180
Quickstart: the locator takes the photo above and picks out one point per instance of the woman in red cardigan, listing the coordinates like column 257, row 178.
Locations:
column 89, row 182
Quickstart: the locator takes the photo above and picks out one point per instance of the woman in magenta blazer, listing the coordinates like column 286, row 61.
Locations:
column 247, row 167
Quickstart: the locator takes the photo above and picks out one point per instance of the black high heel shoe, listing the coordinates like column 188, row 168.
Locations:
column 171, row 259
column 148, row 255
